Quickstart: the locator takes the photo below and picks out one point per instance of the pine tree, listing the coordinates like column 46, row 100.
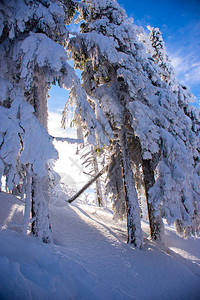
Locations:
column 32, row 32
column 96, row 53
column 155, row 46
column 119, row 73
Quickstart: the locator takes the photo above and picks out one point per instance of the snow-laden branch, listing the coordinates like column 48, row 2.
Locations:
column 68, row 140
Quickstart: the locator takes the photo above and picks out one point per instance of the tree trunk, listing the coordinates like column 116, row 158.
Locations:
column 135, row 235
column 155, row 221
column 136, row 164
column 27, row 211
column 98, row 181
column 40, row 210
column 40, row 196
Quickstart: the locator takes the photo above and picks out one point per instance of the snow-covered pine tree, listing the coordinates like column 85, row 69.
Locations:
column 22, row 156
column 178, row 99
column 31, row 33
column 119, row 73
column 95, row 52
column 155, row 46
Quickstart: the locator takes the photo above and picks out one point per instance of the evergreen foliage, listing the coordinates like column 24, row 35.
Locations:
column 127, row 80
column 129, row 99
column 32, row 57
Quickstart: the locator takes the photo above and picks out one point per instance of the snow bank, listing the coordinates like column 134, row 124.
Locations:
column 90, row 259
column 30, row 270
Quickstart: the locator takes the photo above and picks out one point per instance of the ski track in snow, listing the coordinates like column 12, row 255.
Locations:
column 90, row 258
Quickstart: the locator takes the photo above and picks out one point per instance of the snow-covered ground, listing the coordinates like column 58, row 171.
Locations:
column 90, row 258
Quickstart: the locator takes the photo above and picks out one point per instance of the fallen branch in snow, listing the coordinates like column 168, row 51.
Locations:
column 87, row 185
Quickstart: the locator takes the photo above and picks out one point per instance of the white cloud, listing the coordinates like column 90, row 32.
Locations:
column 177, row 63
column 187, row 69
column 193, row 75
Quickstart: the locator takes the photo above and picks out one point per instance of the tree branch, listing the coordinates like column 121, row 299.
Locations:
column 86, row 186
column 68, row 140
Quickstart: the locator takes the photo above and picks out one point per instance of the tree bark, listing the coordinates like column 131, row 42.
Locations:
column 98, row 181
column 135, row 235
column 136, row 163
column 27, row 211
column 40, row 197
column 40, row 210
column 155, row 221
